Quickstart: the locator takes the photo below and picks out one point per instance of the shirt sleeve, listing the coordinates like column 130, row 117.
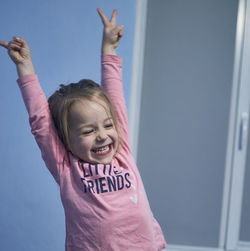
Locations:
column 113, row 85
column 42, row 126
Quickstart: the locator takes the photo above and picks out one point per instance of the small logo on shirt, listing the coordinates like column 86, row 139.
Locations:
column 134, row 198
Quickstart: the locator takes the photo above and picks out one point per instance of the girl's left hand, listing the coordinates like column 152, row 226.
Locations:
column 111, row 33
column 18, row 50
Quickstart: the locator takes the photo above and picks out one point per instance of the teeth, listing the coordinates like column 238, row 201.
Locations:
column 102, row 149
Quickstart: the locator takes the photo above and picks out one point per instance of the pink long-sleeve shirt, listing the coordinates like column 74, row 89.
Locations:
column 106, row 207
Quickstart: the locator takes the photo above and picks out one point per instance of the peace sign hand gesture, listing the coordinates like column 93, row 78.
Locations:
column 111, row 33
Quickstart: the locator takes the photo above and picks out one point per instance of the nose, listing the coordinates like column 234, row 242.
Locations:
column 101, row 135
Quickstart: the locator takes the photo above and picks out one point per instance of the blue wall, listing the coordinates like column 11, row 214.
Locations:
column 65, row 40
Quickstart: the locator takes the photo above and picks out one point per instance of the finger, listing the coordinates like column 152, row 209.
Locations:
column 118, row 30
column 113, row 17
column 21, row 41
column 105, row 21
column 15, row 42
column 120, row 34
column 121, row 30
column 14, row 47
column 4, row 44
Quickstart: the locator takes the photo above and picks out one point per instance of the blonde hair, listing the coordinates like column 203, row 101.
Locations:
column 61, row 101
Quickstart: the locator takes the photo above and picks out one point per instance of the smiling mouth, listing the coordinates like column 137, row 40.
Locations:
column 104, row 150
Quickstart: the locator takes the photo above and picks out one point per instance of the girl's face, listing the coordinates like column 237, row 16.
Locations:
column 93, row 136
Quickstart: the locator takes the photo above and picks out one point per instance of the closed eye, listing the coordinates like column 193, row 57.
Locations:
column 87, row 132
column 108, row 126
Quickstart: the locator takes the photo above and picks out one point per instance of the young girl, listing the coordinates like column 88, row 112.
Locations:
column 82, row 131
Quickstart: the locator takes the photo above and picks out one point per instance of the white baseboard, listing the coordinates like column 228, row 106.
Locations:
column 190, row 248
column 242, row 246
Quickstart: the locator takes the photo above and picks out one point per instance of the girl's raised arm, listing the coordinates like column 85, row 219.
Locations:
column 42, row 126
column 112, row 72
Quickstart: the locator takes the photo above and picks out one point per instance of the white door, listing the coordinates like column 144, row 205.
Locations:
column 189, row 118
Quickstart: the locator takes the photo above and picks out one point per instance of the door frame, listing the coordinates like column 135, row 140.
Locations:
column 236, row 157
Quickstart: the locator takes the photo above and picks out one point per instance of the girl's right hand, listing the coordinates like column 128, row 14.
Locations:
column 112, row 33
column 19, row 52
